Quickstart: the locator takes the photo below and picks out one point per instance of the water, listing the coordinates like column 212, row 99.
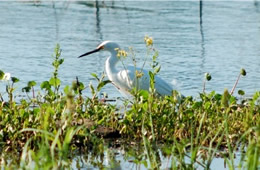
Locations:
column 116, row 159
column 227, row 40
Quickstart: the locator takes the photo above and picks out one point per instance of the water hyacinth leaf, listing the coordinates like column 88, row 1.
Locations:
column 243, row 72
column 26, row 89
column 14, row 79
column 218, row 97
column 2, row 74
column 207, row 76
column 31, row 83
column 241, row 92
column 102, row 84
column 45, row 85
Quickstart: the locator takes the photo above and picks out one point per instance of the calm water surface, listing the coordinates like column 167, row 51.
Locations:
column 227, row 40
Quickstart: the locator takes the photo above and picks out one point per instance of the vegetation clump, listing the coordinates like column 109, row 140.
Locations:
column 49, row 127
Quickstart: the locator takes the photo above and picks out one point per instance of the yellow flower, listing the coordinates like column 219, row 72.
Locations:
column 121, row 53
column 148, row 41
column 139, row 74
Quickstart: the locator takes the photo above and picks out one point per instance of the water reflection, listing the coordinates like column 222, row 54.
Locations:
column 201, row 7
column 98, row 20
column 136, row 157
column 202, row 39
column 56, row 22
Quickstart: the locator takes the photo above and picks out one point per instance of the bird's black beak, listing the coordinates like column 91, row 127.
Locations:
column 90, row 52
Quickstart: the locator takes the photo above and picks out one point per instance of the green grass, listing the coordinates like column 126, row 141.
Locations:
column 45, row 130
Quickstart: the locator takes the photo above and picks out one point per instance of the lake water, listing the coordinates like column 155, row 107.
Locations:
column 117, row 158
column 227, row 40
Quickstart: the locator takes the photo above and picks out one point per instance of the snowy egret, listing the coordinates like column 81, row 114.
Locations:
column 125, row 80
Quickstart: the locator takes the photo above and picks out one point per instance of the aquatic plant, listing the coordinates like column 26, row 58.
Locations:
column 46, row 129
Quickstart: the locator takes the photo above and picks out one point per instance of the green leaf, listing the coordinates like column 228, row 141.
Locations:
column 241, row 92
column 151, row 79
column 156, row 54
column 144, row 93
column 66, row 89
column 14, row 79
column 218, row 97
column 92, row 89
column 225, row 98
column 232, row 100
column 81, row 86
column 157, row 69
column 54, row 82
column 57, row 50
column 95, row 76
column 102, row 84
column 151, row 75
column 61, row 61
column 26, row 89
column 243, row 72
column 31, row 83
column 77, row 86
column 45, row 85
column 74, row 85
column 2, row 74
column 197, row 105
column 207, row 76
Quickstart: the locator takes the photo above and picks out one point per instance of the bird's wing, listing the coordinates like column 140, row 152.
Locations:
column 124, row 79
column 162, row 87
column 143, row 80
column 127, row 80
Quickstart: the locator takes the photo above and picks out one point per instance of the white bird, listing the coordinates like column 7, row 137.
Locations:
column 125, row 80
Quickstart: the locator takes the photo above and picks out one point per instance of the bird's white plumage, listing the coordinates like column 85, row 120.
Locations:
column 125, row 80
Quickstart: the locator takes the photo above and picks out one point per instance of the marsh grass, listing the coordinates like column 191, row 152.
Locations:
column 48, row 128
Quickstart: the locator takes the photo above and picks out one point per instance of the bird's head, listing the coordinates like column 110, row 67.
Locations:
column 104, row 46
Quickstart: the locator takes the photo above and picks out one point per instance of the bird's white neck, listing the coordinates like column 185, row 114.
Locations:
column 110, row 65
